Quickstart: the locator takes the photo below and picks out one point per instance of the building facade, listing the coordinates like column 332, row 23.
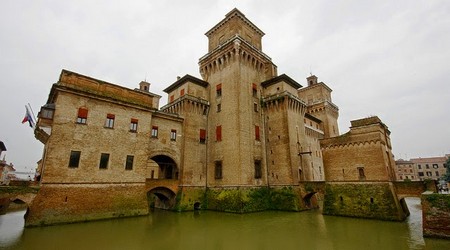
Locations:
column 242, row 138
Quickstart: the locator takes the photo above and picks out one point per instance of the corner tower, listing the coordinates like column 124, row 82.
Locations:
column 234, row 67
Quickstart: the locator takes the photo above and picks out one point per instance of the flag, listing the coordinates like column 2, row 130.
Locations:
column 28, row 117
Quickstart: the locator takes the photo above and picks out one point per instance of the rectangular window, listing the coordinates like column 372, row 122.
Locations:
column 46, row 113
column 202, row 136
column 219, row 133
column 420, row 173
column 74, row 161
column 437, row 173
column 109, row 121
column 171, row 98
column 435, row 166
column 219, row 90
column 82, row 115
column 155, row 131
column 104, row 160
column 427, row 166
column 257, row 136
column 219, row 107
column 428, row 173
column 258, row 171
column 254, row 90
column 255, row 107
column 218, row 170
column 419, row 167
column 129, row 162
column 173, row 135
column 133, row 125
column 182, row 92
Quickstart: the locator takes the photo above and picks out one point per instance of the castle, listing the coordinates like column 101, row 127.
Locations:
column 241, row 139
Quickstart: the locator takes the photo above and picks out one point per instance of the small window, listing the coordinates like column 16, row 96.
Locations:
column 435, row 166
column 219, row 107
column 219, row 90
column 133, row 125
column 419, row 167
column 129, row 162
column 74, row 159
column 46, row 113
column 173, row 135
column 255, row 107
column 109, row 121
column 155, row 131
column 254, row 90
column 258, row 171
column 257, row 135
column 420, row 173
column 82, row 115
column 437, row 173
column 104, row 160
column 219, row 133
column 218, row 170
column 361, row 173
column 202, row 136
column 427, row 166
column 182, row 92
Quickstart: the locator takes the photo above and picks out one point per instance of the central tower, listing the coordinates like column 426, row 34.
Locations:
column 235, row 66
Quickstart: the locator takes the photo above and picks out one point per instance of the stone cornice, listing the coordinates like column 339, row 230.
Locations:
column 234, row 12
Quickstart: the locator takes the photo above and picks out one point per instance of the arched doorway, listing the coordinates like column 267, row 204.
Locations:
column 161, row 197
column 167, row 167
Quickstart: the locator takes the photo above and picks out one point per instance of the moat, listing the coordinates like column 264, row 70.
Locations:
column 214, row 230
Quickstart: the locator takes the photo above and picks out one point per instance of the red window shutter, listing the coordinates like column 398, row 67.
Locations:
column 254, row 86
column 202, row 134
column 219, row 86
column 82, row 113
column 133, row 120
column 257, row 137
column 219, row 133
column 155, row 127
column 182, row 92
column 110, row 116
column 171, row 98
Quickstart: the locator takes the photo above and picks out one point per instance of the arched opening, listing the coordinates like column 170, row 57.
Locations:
column 197, row 206
column 162, row 198
column 167, row 167
column 310, row 200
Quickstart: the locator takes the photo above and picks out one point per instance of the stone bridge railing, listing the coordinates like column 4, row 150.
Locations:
column 16, row 194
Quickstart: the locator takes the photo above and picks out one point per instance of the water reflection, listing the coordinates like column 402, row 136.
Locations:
column 212, row 230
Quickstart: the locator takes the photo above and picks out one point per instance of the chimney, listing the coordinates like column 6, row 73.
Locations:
column 312, row 80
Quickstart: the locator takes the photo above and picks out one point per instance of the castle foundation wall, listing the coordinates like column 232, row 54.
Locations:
column 68, row 203
column 375, row 200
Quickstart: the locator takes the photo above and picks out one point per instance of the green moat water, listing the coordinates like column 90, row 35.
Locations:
column 214, row 230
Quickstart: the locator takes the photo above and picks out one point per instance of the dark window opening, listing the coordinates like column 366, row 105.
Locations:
column 129, row 162
column 219, row 107
column 218, row 170
column 104, row 160
column 258, row 171
column 254, row 90
column 74, row 159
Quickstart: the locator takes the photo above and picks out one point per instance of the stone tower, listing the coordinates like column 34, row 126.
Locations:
column 234, row 66
column 318, row 98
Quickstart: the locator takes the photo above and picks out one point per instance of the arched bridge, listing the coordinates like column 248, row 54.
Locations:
column 162, row 193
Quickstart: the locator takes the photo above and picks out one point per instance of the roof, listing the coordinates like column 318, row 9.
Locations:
column 228, row 16
column 429, row 160
column 281, row 78
column 311, row 117
column 186, row 78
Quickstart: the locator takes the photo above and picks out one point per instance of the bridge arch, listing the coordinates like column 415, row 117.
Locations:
column 162, row 198
column 310, row 200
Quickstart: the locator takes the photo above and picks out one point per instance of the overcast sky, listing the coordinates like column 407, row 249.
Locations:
column 385, row 58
